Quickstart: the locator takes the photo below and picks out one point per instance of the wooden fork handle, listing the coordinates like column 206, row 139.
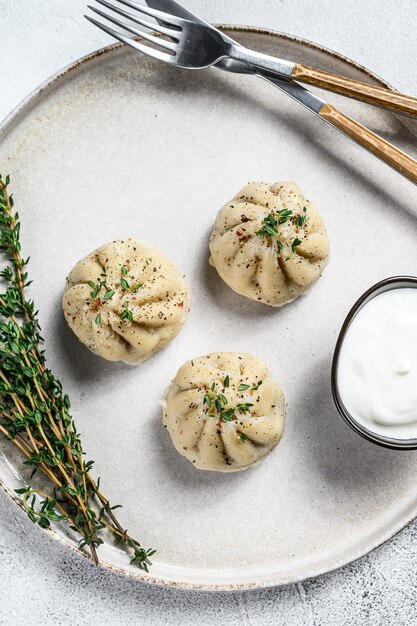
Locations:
column 355, row 89
column 372, row 142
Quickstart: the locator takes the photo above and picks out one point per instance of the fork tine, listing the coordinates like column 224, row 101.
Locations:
column 167, row 18
column 170, row 32
column 163, row 43
column 151, row 52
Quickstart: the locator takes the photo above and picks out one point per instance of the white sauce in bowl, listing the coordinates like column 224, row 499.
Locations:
column 377, row 369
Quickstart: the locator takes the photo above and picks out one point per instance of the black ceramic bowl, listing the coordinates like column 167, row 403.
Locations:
column 394, row 282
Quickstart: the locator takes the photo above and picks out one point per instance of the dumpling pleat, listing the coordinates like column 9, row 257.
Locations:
column 210, row 445
column 243, row 452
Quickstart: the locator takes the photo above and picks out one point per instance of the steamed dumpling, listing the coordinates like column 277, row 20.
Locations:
column 269, row 243
column 125, row 301
column 224, row 412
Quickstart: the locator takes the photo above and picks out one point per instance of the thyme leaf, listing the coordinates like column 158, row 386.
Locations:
column 126, row 314
column 284, row 215
column 269, row 227
column 109, row 294
column 207, row 400
column 295, row 243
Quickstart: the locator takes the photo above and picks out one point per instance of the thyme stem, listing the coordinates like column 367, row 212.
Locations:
column 35, row 413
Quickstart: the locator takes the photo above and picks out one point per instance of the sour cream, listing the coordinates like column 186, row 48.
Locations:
column 377, row 369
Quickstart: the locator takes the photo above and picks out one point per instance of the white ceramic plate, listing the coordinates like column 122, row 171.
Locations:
column 119, row 146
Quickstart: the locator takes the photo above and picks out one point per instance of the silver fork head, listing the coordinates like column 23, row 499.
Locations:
column 226, row 64
column 178, row 41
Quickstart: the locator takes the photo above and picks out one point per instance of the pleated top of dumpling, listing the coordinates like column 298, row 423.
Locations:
column 125, row 301
column 269, row 243
column 224, row 412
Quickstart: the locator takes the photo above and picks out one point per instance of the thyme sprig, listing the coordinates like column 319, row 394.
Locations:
column 271, row 223
column 35, row 412
column 218, row 406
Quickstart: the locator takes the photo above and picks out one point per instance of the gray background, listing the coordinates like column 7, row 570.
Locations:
column 42, row 582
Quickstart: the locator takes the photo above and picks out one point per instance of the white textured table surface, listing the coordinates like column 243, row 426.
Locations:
column 43, row 583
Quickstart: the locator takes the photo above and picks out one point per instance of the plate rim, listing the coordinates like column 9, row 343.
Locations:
column 275, row 580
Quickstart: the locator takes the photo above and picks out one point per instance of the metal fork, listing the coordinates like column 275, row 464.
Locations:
column 191, row 45
column 196, row 45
